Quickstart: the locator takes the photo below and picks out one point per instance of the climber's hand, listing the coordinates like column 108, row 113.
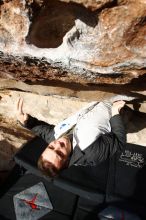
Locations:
column 21, row 116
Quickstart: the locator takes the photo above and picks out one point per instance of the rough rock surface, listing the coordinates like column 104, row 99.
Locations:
column 68, row 42
column 91, row 4
column 12, row 137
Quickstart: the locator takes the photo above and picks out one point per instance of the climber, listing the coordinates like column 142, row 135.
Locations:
column 66, row 150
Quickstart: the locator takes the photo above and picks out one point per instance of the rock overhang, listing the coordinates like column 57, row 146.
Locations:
column 66, row 41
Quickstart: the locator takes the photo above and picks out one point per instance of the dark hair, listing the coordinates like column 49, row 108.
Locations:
column 47, row 168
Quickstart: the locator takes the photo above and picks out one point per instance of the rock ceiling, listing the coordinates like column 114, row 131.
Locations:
column 85, row 41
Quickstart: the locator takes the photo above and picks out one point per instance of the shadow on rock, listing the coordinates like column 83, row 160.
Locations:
column 134, row 120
